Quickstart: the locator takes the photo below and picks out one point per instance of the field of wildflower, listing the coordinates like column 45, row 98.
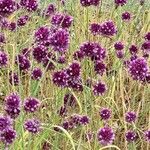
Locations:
column 74, row 75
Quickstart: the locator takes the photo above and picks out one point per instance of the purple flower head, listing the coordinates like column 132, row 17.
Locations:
column 62, row 20
column 131, row 136
column 84, row 120
column 99, row 67
column 4, row 23
column 105, row 113
column 120, row 2
column 30, row 5
column 32, row 125
column 31, row 104
column 74, row 70
column 36, row 74
column 95, row 28
column 39, row 53
column 12, row 26
column 120, row 54
column 42, row 36
column 108, row 28
column 61, row 59
column 13, row 78
column 147, row 135
column 63, row 111
column 147, row 36
column 8, row 136
column 105, row 135
column 138, row 68
column 22, row 20
column 119, row 46
column 60, row 40
column 126, row 16
column 5, row 123
column 99, row 88
column 146, row 46
column 23, row 62
column 50, row 10
column 60, row 78
column 68, row 125
column 78, row 55
column 3, row 59
column 130, row 117
column 12, row 105
column 69, row 100
column 86, row 3
column 133, row 49
column 7, row 7
column 2, row 38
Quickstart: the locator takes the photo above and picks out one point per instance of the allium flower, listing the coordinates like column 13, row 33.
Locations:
column 99, row 67
column 61, row 59
column 138, row 68
column 4, row 23
column 8, row 136
column 60, row 78
column 108, row 28
column 133, row 49
column 95, row 28
column 130, row 117
column 74, row 70
column 12, row 105
column 84, row 120
column 62, row 20
column 105, row 135
column 2, row 38
column 13, row 78
column 146, row 46
column 99, row 88
column 31, row 104
column 68, row 125
column 78, row 55
column 7, row 7
column 60, row 40
column 119, row 46
column 22, row 20
column 3, row 59
column 69, row 100
column 131, row 136
column 147, row 135
column 5, row 123
column 85, row 3
column 50, row 10
column 120, row 2
column 36, row 74
column 39, row 53
column 105, row 113
column 126, row 16
column 23, row 62
column 42, row 35
column 30, row 5
column 147, row 36
column 120, row 54
column 12, row 26
column 32, row 125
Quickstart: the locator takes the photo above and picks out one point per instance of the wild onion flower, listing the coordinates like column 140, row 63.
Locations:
column 22, row 20
column 99, row 88
column 12, row 105
column 133, row 49
column 146, row 47
column 51, row 8
column 119, row 45
column 36, row 74
column 105, row 135
column 131, row 136
column 5, row 123
column 138, row 69
column 147, row 36
column 13, row 78
column 61, row 59
column 4, row 23
column 147, row 135
column 3, row 59
column 99, row 67
column 108, row 28
column 86, row 3
column 31, row 104
column 12, row 26
column 39, row 53
column 23, row 62
column 2, row 38
column 62, row 20
column 120, row 2
column 105, row 113
column 78, row 55
column 130, row 117
column 84, row 120
column 120, row 54
column 60, row 40
column 32, row 125
column 30, row 5
column 126, row 16
column 95, row 28
column 7, row 7
column 69, row 100
column 8, row 136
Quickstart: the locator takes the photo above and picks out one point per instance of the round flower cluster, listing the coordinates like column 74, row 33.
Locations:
column 126, row 16
column 131, row 136
column 87, row 3
column 22, row 20
column 147, row 36
column 146, row 47
column 51, row 8
column 105, row 113
column 147, row 135
column 99, row 67
column 130, row 117
column 30, row 5
column 3, row 59
column 95, row 28
column 5, row 123
column 119, row 45
column 120, row 2
column 133, row 49
column 36, row 74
